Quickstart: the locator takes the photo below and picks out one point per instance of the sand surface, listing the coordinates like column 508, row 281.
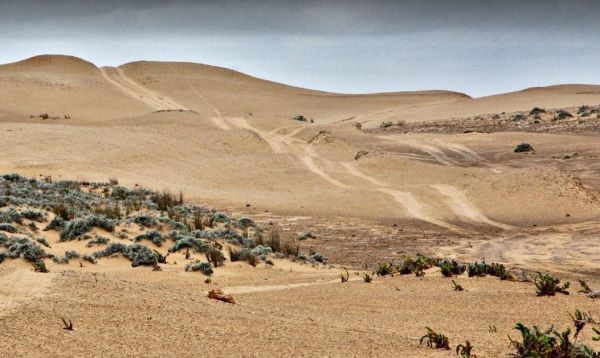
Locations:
column 228, row 140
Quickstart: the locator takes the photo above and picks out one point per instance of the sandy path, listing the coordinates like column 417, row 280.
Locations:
column 462, row 207
column 267, row 288
column 218, row 120
column 117, row 77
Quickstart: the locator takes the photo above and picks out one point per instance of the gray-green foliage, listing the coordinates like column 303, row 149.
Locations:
column 138, row 254
column 156, row 237
column 78, row 227
column 204, row 267
column 8, row 228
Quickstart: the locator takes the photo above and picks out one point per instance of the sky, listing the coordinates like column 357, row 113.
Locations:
column 472, row 46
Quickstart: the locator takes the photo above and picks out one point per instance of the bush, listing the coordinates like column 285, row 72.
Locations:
column 215, row 256
column 144, row 220
column 523, row 148
column 550, row 343
column 547, row 285
column 560, row 115
column 156, row 237
column 78, row 227
column 183, row 242
column 2, row 257
column 25, row 248
column 435, row 340
column 33, row 215
column 98, row 240
column 300, row 118
column 518, row 117
column 204, row 267
column 8, row 228
column 139, row 255
column 536, row 111
column 56, row 224
column 43, row 241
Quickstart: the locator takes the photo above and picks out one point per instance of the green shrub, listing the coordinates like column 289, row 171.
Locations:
column 550, row 343
column 547, row 285
column 435, row 340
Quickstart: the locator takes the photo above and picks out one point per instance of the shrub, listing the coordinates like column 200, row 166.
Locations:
column 144, row 220
column 72, row 254
column 23, row 247
column 560, row 115
column 456, row 286
column 464, row 350
column 300, row 118
column 385, row 269
column 367, row 278
column 138, row 254
column 306, row 235
column 435, row 340
column 547, row 285
column 56, row 224
column 98, row 240
column 450, row 268
column 345, row 277
column 204, row 267
column 2, row 257
column 39, row 266
column 63, row 211
column 584, row 287
column 8, row 228
column 523, row 148
column 536, row 111
column 317, row 257
column 518, row 117
column 89, row 259
column 550, row 343
column 246, row 222
column 156, row 237
column 78, row 227
column 183, row 242
column 215, row 256
column 386, row 124
column 162, row 259
column 33, row 215
column 238, row 255
column 43, row 241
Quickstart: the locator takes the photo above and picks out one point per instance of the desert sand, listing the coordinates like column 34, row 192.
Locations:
column 229, row 141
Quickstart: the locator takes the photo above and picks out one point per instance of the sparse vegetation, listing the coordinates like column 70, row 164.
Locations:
column 547, row 285
column 464, row 350
column 523, row 148
column 435, row 340
column 551, row 343
column 203, row 267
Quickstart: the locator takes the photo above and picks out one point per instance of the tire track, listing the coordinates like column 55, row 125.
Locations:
column 117, row 77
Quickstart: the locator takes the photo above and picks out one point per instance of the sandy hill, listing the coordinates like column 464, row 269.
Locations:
column 228, row 138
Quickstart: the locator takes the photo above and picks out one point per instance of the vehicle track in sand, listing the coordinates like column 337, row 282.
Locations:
column 412, row 201
column 218, row 120
column 117, row 77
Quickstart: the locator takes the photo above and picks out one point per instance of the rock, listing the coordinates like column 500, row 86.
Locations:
column 518, row 117
column 595, row 294
column 218, row 294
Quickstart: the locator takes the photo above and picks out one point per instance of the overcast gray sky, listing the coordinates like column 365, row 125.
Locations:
column 471, row 46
